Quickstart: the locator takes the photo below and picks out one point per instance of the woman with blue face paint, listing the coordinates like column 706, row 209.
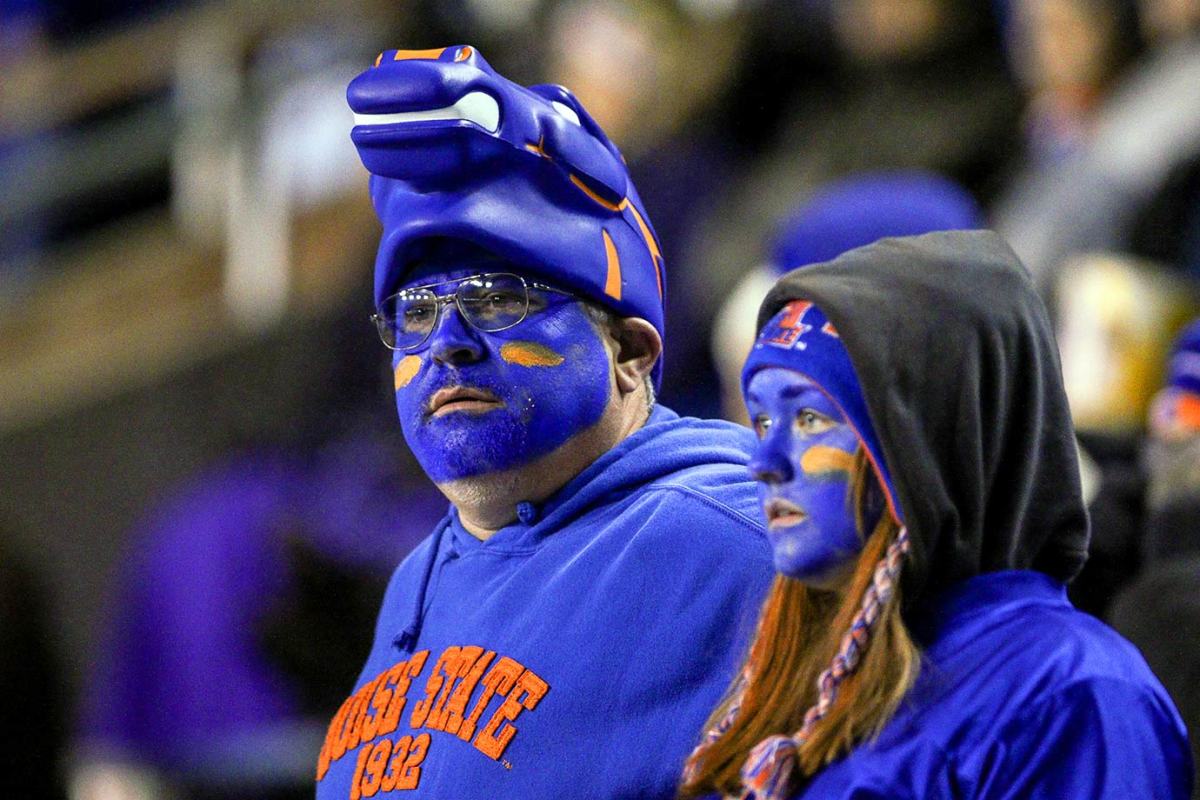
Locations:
column 917, row 471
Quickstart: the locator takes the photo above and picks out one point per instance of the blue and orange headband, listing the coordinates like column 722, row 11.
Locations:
column 800, row 338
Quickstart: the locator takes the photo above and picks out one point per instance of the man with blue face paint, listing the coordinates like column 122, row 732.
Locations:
column 568, row 625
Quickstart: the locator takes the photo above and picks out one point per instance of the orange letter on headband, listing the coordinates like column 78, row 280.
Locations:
column 795, row 310
column 500, row 678
column 462, row 693
column 492, row 740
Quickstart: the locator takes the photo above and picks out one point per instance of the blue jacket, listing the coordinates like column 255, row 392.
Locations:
column 576, row 652
column 1020, row 696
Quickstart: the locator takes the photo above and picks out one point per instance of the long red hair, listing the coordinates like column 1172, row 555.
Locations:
column 799, row 632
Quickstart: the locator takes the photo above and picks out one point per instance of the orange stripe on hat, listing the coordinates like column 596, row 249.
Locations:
column 610, row 206
column 652, row 245
column 413, row 55
column 612, row 283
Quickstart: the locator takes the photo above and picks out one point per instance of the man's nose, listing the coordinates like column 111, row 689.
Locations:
column 770, row 462
column 453, row 341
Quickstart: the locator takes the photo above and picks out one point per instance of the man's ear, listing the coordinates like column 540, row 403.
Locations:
column 638, row 349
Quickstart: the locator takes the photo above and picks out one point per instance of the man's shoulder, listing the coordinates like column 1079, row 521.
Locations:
column 707, row 473
column 700, row 515
column 724, row 490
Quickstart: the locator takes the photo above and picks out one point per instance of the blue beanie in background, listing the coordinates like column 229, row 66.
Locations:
column 861, row 209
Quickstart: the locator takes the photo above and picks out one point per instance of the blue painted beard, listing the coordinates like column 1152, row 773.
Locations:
column 472, row 403
column 804, row 464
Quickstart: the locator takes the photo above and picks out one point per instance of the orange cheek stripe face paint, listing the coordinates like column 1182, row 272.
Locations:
column 406, row 370
column 530, row 354
column 820, row 459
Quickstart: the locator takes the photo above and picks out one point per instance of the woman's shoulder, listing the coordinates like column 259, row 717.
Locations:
column 1020, row 626
column 1012, row 645
column 1017, row 689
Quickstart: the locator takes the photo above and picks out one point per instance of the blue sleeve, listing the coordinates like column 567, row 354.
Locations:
column 1100, row 739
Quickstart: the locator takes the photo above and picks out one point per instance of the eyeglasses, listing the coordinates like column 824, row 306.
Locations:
column 490, row 302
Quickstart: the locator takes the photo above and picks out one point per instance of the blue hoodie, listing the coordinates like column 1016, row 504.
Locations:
column 577, row 651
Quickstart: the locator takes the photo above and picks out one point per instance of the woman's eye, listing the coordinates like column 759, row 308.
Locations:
column 762, row 424
column 811, row 423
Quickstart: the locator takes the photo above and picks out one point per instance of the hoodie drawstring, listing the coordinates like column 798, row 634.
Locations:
column 407, row 638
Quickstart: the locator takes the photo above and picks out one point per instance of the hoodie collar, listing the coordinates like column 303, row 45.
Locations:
column 536, row 521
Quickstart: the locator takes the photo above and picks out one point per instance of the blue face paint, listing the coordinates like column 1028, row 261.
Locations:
column 473, row 402
column 803, row 464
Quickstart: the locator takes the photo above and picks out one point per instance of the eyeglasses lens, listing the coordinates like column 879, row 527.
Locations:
column 488, row 302
column 493, row 302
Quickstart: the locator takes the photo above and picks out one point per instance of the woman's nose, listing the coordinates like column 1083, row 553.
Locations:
column 770, row 462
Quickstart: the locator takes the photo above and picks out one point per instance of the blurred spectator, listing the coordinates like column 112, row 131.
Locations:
column 31, row 696
column 1116, row 317
column 912, row 85
column 241, row 616
column 841, row 216
column 1160, row 610
column 1165, row 22
column 1065, row 54
column 1131, row 183
column 249, row 592
column 23, row 34
column 1167, row 226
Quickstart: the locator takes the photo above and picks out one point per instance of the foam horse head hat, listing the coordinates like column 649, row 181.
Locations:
column 456, row 150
